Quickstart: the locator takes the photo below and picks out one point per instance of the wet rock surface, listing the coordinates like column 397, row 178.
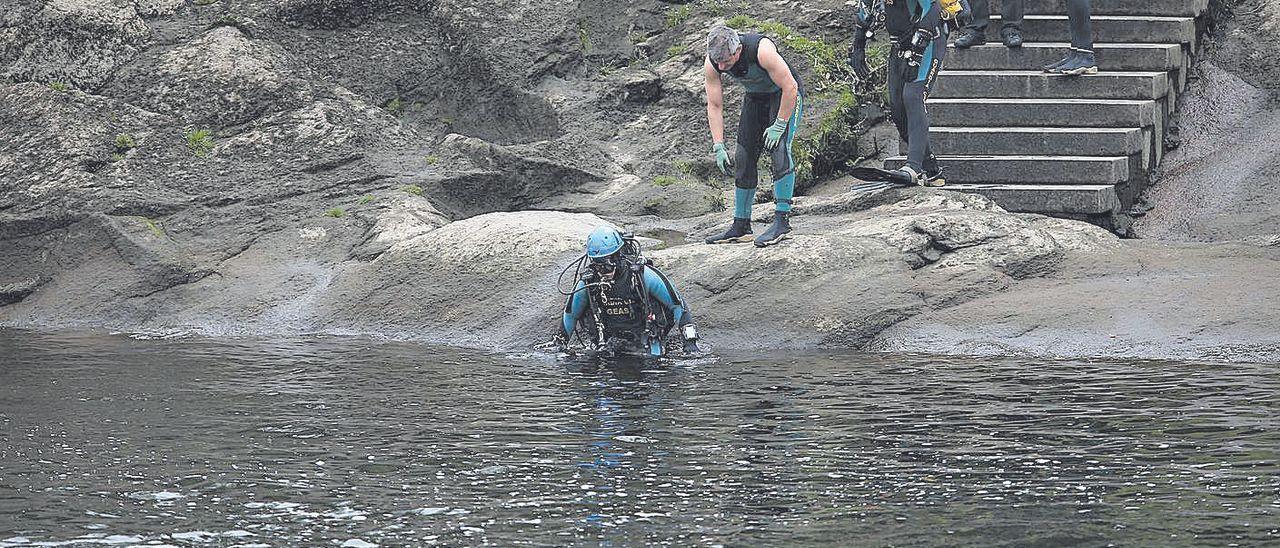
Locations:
column 1223, row 182
column 426, row 169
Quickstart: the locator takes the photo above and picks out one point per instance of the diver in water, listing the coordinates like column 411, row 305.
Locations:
column 919, row 43
column 621, row 303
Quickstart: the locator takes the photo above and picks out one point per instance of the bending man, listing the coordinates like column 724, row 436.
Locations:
column 770, row 118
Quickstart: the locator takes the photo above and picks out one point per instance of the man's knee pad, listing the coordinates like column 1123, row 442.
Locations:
column 744, row 167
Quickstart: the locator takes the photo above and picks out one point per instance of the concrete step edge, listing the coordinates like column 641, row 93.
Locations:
column 1030, row 188
column 1099, row 18
column 1041, row 73
column 1034, row 129
column 1065, row 45
column 1022, row 158
column 1041, row 100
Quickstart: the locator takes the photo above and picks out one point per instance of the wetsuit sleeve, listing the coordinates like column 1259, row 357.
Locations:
column 659, row 287
column 861, row 24
column 574, row 307
column 931, row 14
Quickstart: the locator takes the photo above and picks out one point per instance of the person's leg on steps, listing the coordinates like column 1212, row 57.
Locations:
column 1011, row 23
column 1081, row 59
column 915, row 94
column 975, row 33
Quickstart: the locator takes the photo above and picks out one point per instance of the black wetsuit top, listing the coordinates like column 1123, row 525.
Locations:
column 748, row 72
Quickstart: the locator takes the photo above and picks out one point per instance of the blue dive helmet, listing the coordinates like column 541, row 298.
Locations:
column 603, row 242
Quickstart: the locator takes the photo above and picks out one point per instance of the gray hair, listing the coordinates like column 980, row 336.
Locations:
column 722, row 43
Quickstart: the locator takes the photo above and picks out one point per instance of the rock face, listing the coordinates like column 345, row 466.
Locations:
column 76, row 42
column 1221, row 184
column 390, row 167
column 1139, row 301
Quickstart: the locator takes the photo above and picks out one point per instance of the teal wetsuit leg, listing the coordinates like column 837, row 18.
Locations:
column 784, row 164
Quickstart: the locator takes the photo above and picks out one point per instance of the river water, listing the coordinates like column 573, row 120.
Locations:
column 112, row 439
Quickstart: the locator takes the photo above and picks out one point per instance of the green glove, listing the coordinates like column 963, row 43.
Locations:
column 774, row 133
column 723, row 161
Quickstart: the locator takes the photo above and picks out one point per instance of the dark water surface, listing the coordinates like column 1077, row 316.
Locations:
column 341, row 442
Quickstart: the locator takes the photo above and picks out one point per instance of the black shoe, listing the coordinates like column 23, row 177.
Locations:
column 1083, row 62
column 777, row 231
column 739, row 232
column 969, row 38
column 1052, row 68
column 1012, row 38
column 934, row 178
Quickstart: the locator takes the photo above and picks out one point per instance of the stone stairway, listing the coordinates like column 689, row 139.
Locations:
column 1079, row 147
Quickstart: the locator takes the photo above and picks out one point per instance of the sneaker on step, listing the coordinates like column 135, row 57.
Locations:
column 1012, row 38
column 1052, row 68
column 969, row 38
column 1082, row 63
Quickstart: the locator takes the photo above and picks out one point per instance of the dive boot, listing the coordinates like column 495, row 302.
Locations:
column 908, row 176
column 934, row 178
column 933, row 172
column 1083, row 62
column 777, row 231
column 739, row 232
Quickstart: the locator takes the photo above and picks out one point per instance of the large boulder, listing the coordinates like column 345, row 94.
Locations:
column 859, row 264
column 485, row 281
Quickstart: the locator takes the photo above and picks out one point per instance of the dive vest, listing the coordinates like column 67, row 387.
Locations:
column 620, row 307
column 748, row 72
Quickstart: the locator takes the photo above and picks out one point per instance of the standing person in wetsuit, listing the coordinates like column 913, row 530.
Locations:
column 919, row 43
column 770, row 117
column 623, row 302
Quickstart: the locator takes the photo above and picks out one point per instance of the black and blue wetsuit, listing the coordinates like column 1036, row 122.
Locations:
column 624, row 305
column 909, row 85
column 759, row 110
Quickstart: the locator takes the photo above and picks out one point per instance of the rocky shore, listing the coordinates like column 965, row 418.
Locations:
column 426, row 169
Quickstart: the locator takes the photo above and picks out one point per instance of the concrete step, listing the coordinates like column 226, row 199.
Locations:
column 1088, row 170
column 1036, row 84
column 989, row 112
column 1038, row 141
column 1184, row 8
column 1034, row 55
column 1107, row 28
column 1049, row 199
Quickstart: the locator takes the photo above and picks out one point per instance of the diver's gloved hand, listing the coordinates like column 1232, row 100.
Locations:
column 723, row 161
column 858, row 60
column 690, row 334
column 691, row 347
column 858, row 50
column 773, row 134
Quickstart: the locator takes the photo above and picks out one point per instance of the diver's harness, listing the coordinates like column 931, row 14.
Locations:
column 632, row 259
column 955, row 14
